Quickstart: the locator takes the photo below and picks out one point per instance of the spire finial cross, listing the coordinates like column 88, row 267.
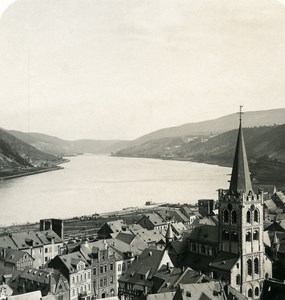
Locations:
column 240, row 112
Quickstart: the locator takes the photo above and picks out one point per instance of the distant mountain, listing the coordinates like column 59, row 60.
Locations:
column 16, row 153
column 216, row 126
column 57, row 146
column 265, row 148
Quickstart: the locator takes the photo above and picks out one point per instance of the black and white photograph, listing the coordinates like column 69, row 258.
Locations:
column 142, row 149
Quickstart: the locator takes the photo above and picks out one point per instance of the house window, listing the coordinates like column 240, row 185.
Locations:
column 256, row 291
column 234, row 217
column 226, row 216
column 248, row 216
column 89, row 275
column 111, row 280
column 249, row 267
column 101, row 282
column 123, row 267
column 72, row 280
column 194, row 247
column 238, row 280
column 105, row 268
column 46, row 250
column 94, row 271
column 101, row 269
column 89, row 287
column 256, row 266
column 255, row 235
column 203, row 249
column 111, row 267
column 73, row 292
column 105, row 281
column 119, row 267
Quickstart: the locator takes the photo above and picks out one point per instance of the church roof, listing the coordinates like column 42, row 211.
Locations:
column 224, row 261
column 240, row 179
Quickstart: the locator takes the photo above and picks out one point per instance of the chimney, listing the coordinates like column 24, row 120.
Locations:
column 167, row 266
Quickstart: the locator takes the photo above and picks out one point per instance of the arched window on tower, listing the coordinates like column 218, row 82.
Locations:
column 234, row 217
column 255, row 235
column 225, row 235
column 248, row 236
column 226, row 216
column 248, row 216
column 256, row 215
column 238, row 280
column 256, row 291
column 234, row 236
column 256, row 266
column 249, row 293
column 249, row 267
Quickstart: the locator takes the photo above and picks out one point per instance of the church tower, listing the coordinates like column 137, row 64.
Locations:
column 241, row 226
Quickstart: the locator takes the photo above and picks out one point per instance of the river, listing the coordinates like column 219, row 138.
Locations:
column 101, row 183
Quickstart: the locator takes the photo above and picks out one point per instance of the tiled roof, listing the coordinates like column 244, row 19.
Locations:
column 204, row 234
column 44, row 276
column 224, row 261
column 47, row 236
column 70, row 260
column 116, row 226
column 200, row 291
column 125, row 237
column 174, row 214
column 197, row 261
column 137, row 246
column 151, row 236
column 171, row 277
column 7, row 242
column 148, row 263
column 9, row 271
column 270, row 204
column 154, row 218
column 12, row 255
column 26, row 239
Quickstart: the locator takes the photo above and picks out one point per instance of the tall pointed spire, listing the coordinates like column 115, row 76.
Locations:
column 240, row 179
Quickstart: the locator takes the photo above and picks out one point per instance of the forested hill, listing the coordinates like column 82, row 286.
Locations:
column 265, row 149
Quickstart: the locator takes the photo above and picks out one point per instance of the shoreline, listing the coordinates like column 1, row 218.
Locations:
column 31, row 172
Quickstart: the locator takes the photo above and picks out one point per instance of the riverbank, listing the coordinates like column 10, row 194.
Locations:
column 21, row 172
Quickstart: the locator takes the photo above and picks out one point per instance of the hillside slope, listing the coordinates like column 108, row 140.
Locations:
column 265, row 149
column 16, row 153
column 57, row 146
column 216, row 126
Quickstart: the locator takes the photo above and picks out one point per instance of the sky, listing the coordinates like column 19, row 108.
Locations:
column 118, row 69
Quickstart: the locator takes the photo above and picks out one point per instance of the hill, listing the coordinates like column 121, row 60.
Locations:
column 57, row 146
column 216, row 126
column 265, row 148
column 17, row 157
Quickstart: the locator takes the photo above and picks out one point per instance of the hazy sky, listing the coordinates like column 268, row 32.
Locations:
column 106, row 69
